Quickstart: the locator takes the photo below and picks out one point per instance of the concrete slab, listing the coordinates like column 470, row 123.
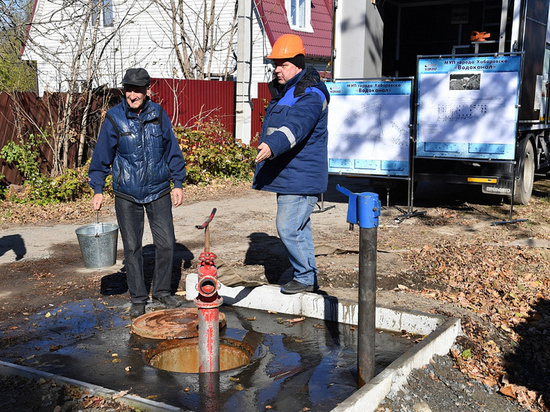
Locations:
column 91, row 341
column 440, row 332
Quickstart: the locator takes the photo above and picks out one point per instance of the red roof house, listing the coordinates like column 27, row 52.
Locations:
column 313, row 24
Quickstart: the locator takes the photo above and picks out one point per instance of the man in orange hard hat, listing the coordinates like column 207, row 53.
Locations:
column 292, row 155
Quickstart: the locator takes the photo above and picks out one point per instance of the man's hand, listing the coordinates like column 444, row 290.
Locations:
column 97, row 200
column 177, row 196
column 264, row 153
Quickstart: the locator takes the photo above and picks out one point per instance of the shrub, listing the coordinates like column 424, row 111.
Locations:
column 39, row 188
column 24, row 155
column 211, row 152
column 71, row 185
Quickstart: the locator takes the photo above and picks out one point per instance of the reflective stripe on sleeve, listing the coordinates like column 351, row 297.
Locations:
column 289, row 135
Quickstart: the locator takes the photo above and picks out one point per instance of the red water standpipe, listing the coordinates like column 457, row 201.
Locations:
column 208, row 301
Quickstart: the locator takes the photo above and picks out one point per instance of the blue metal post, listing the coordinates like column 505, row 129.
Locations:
column 364, row 209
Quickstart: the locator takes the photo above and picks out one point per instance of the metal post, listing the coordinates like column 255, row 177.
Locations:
column 364, row 209
column 243, row 101
column 367, row 304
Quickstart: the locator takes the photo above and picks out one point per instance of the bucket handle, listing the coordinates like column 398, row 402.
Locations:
column 97, row 223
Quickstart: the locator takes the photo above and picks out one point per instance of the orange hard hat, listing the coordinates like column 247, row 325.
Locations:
column 287, row 46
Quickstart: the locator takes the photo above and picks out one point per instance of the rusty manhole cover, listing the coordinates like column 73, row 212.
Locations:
column 170, row 324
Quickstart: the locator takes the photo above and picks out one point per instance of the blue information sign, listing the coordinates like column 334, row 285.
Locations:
column 368, row 126
column 467, row 107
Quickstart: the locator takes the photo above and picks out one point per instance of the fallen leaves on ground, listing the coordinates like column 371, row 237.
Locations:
column 296, row 320
column 500, row 292
column 28, row 394
column 507, row 288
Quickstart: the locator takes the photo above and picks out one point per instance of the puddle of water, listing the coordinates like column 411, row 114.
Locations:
column 295, row 364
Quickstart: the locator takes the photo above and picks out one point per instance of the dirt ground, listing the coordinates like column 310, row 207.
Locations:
column 422, row 264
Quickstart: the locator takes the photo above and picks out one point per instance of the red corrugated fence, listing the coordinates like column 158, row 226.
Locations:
column 190, row 101
column 185, row 101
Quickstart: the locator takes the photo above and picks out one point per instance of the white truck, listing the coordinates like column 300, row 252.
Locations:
column 479, row 112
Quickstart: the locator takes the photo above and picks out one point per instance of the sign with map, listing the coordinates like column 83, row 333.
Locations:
column 368, row 126
column 467, row 107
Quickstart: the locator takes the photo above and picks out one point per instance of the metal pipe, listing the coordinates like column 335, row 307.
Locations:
column 209, row 391
column 209, row 340
column 364, row 209
column 367, row 305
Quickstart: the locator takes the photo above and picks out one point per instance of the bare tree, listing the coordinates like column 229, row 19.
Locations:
column 78, row 58
column 84, row 45
column 15, row 75
column 202, row 34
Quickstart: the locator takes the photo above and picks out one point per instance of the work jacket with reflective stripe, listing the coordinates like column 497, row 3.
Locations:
column 295, row 129
column 143, row 151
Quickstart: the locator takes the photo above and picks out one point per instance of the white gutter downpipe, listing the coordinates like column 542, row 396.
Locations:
column 516, row 25
column 502, row 34
column 243, row 103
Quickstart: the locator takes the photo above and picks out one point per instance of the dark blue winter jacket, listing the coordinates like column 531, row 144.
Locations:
column 142, row 150
column 295, row 129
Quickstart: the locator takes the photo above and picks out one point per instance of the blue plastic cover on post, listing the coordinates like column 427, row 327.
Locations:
column 352, row 204
column 363, row 208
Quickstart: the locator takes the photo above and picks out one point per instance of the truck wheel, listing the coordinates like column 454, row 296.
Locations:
column 524, row 185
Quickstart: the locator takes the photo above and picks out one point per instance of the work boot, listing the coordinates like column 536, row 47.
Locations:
column 169, row 301
column 294, row 286
column 137, row 309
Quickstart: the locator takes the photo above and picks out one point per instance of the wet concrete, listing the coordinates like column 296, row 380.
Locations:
column 296, row 364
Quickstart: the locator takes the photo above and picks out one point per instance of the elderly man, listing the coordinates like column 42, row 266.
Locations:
column 137, row 141
column 292, row 155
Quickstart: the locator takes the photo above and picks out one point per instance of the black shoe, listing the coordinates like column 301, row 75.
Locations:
column 137, row 309
column 296, row 287
column 168, row 301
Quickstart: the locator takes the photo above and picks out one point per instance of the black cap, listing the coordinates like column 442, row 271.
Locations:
column 137, row 77
column 299, row 61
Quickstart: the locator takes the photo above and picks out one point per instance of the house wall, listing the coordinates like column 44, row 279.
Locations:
column 261, row 68
column 141, row 37
column 58, row 33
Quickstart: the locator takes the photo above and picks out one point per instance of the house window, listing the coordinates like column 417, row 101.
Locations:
column 108, row 13
column 105, row 7
column 299, row 14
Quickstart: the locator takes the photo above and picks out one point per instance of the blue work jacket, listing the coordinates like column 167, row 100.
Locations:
column 142, row 150
column 295, row 129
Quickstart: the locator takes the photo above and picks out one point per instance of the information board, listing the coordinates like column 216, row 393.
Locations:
column 368, row 126
column 467, row 107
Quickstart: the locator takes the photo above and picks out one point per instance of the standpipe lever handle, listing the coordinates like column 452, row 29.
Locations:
column 207, row 221
column 206, row 231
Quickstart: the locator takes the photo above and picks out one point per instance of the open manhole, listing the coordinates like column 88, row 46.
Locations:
column 176, row 323
column 183, row 355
